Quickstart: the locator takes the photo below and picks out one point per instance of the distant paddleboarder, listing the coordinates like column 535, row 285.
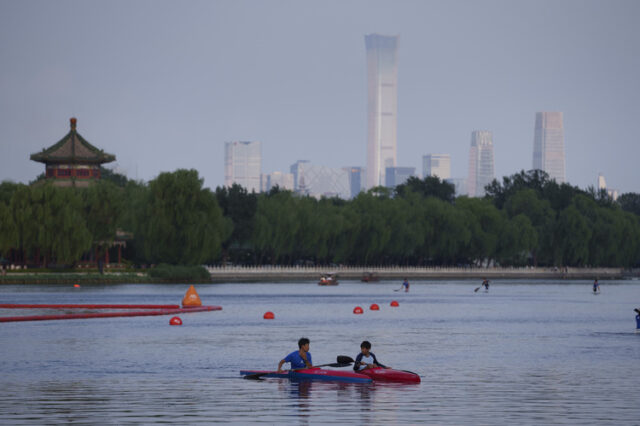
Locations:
column 596, row 286
column 485, row 284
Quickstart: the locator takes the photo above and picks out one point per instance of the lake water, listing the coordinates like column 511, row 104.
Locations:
column 526, row 352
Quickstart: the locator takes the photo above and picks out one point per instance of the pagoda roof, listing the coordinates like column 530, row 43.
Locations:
column 73, row 148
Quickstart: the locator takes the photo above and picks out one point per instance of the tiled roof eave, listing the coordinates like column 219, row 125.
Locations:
column 72, row 160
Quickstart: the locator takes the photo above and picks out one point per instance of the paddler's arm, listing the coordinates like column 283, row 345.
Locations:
column 376, row 362
column 306, row 360
column 282, row 361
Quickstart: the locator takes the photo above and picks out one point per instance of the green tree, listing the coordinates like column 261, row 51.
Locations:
column 542, row 217
column 630, row 202
column 518, row 240
column 276, row 226
column 572, row 237
column 182, row 223
column 103, row 208
column 430, row 186
column 486, row 224
column 58, row 229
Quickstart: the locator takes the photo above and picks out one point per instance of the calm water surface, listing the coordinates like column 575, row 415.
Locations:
column 527, row 352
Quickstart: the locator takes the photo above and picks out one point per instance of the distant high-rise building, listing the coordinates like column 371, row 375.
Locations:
column 319, row 181
column 382, row 106
column 395, row 176
column 283, row 181
column 548, row 145
column 481, row 169
column 436, row 165
column 355, row 180
column 242, row 165
column 602, row 185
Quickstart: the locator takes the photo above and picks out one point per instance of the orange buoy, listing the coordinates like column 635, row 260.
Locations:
column 191, row 298
column 394, row 303
column 358, row 310
column 269, row 315
column 175, row 321
column 76, row 285
column 374, row 307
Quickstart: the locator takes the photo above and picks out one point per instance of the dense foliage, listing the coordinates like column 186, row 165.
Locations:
column 526, row 219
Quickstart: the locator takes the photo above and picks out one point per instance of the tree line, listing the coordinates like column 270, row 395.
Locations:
column 527, row 219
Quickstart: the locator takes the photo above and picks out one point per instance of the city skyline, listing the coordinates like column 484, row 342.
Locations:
column 175, row 82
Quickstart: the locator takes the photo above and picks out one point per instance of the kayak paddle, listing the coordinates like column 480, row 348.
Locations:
column 343, row 359
column 333, row 364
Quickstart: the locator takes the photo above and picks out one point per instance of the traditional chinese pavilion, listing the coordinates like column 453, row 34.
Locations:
column 72, row 161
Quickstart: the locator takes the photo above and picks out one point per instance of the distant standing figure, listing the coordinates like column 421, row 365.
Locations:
column 596, row 286
column 637, row 319
column 405, row 284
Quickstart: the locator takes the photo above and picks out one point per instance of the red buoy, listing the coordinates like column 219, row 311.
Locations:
column 76, row 285
column 269, row 315
column 374, row 307
column 357, row 310
column 175, row 321
column 394, row 303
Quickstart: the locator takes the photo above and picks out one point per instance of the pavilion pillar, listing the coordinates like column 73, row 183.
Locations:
column 119, row 254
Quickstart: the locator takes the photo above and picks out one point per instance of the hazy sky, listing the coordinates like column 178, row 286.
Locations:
column 163, row 84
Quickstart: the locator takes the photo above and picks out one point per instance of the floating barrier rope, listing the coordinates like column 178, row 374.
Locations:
column 177, row 310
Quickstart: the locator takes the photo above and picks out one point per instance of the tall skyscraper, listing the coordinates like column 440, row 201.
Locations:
column 436, row 165
column 548, row 145
column 481, row 170
column 243, row 164
column 382, row 106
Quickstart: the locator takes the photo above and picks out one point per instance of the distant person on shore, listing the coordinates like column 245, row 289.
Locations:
column 300, row 358
column 596, row 286
column 366, row 359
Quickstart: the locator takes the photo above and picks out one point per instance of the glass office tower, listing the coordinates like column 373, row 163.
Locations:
column 548, row 145
column 382, row 106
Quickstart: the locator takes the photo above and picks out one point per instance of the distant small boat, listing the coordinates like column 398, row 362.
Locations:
column 370, row 277
column 328, row 279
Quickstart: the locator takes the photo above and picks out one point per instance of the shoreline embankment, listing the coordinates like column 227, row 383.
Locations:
column 274, row 273
column 291, row 273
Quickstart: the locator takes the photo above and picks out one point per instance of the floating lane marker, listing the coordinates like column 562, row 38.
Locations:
column 111, row 314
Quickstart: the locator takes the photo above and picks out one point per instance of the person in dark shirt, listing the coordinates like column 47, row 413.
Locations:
column 366, row 359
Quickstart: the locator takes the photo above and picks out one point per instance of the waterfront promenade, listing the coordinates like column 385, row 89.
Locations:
column 276, row 273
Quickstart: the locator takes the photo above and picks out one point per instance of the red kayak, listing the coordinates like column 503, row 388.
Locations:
column 313, row 374
column 390, row 375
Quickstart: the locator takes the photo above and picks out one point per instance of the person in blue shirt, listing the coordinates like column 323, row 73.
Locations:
column 300, row 358
column 596, row 286
column 405, row 284
column 366, row 359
